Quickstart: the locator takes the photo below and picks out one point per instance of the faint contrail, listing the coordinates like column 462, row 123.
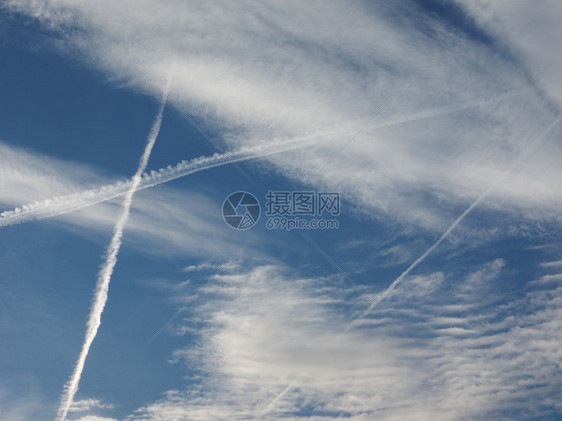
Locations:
column 104, row 276
column 68, row 203
column 457, row 221
column 71, row 202
column 277, row 398
column 438, row 112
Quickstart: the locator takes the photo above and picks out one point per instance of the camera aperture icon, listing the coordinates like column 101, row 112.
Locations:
column 241, row 210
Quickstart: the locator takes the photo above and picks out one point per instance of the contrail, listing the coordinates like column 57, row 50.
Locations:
column 75, row 201
column 457, row 221
column 104, row 276
column 68, row 203
column 277, row 398
column 442, row 111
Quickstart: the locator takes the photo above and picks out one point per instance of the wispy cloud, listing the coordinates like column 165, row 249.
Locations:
column 18, row 406
column 531, row 31
column 384, row 294
column 86, row 405
column 553, row 264
column 266, row 326
column 279, row 71
column 286, row 71
column 104, row 276
column 27, row 176
column 65, row 204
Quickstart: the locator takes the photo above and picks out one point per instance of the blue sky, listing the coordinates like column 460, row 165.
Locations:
column 438, row 295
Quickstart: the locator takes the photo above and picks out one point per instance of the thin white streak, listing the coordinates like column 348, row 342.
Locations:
column 68, row 203
column 277, row 398
column 443, row 111
column 383, row 295
column 104, row 276
column 554, row 264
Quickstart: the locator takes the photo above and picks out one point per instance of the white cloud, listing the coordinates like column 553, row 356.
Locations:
column 156, row 230
column 264, row 332
column 531, row 30
column 553, row 264
column 86, row 405
column 20, row 407
column 26, row 176
column 274, row 346
column 210, row 266
column 263, row 71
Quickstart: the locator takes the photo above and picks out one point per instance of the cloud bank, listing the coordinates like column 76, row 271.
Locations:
column 255, row 72
column 273, row 344
column 474, row 354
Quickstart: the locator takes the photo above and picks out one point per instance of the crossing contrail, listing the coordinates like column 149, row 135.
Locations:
column 75, row 201
column 383, row 295
column 104, row 276
column 455, row 223
column 68, row 203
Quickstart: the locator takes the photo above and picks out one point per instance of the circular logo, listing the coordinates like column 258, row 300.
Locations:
column 241, row 210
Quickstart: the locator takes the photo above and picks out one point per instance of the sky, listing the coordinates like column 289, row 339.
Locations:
column 432, row 292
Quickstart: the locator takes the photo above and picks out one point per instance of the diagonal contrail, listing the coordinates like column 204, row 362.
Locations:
column 68, row 203
column 457, row 221
column 75, row 201
column 104, row 276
